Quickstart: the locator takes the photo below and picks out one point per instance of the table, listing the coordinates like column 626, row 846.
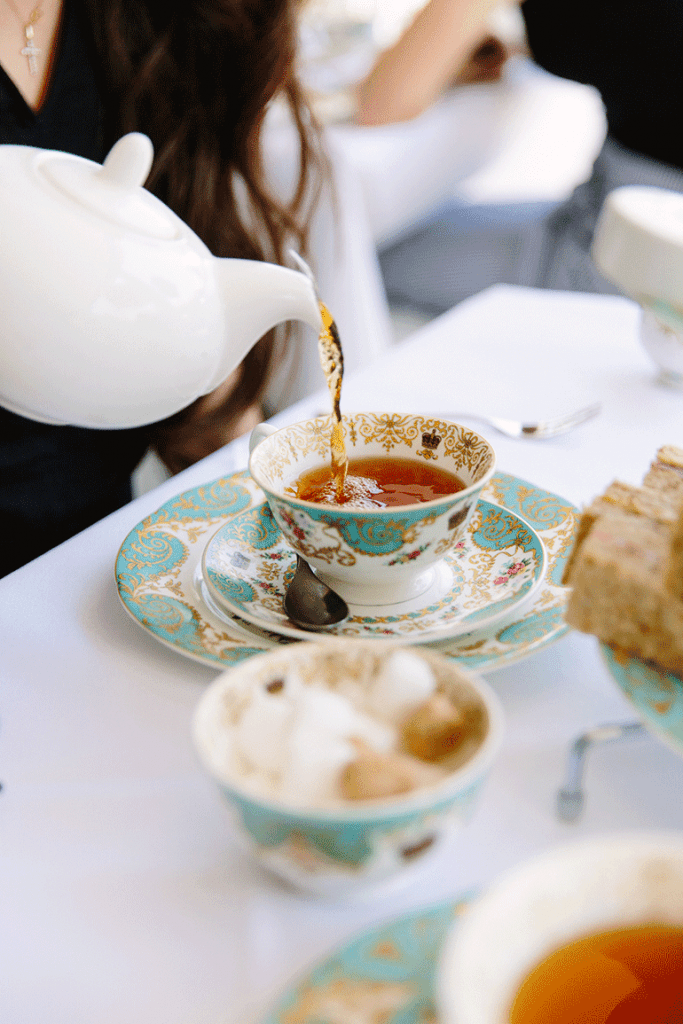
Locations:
column 124, row 895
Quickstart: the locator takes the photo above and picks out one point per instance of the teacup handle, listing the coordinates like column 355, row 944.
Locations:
column 260, row 432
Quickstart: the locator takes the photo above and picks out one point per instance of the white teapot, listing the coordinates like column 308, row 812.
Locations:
column 113, row 313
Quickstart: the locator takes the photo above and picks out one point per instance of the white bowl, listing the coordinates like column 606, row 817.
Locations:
column 661, row 335
column 344, row 849
column 638, row 243
column 638, row 246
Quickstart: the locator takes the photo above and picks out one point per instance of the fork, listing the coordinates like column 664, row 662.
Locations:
column 542, row 428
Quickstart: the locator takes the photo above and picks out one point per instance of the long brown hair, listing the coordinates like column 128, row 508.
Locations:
column 197, row 77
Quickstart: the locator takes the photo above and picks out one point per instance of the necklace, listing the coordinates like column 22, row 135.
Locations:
column 30, row 50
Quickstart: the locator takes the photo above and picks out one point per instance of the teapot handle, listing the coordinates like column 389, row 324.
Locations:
column 260, row 432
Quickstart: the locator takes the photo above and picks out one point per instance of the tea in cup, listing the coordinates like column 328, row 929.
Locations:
column 413, row 485
column 591, row 931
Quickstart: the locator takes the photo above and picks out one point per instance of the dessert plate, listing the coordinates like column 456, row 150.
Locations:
column 498, row 565
column 657, row 695
column 158, row 576
column 387, row 973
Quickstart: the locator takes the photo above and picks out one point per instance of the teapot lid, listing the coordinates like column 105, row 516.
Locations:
column 112, row 190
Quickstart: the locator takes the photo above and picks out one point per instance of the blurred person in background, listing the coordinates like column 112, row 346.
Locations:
column 630, row 54
column 197, row 78
column 448, row 43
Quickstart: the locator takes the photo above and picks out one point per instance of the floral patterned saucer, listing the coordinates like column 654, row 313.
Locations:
column 499, row 564
column 387, row 973
column 657, row 695
column 159, row 581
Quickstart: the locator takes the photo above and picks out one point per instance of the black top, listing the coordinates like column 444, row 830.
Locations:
column 55, row 481
column 70, row 118
column 631, row 52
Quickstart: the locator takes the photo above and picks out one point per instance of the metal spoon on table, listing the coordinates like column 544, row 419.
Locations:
column 310, row 603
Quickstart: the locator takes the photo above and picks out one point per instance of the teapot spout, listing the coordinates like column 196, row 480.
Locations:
column 257, row 296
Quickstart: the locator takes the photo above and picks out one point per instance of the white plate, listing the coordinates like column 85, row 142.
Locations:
column 158, row 575
column 499, row 564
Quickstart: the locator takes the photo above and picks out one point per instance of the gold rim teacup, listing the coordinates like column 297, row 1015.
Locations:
column 373, row 556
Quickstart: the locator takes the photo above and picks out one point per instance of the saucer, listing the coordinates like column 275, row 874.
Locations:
column 159, row 582
column 388, row 972
column 657, row 695
column 498, row 565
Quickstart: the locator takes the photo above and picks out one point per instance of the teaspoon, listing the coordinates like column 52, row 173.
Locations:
column 310, row 603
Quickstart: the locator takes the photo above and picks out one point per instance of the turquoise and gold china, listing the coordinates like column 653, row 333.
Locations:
column 657, row 695
column 373, row 556
column 159, row 581
column 344, row 849
column 388, row 971
column 496, row 566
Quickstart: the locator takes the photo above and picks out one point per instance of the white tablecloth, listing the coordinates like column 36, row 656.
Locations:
column 123, row 894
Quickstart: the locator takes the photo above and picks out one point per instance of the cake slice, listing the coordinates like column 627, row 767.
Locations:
column 671, row 456
column 674, row 574
column 665, row 475
column 622, row 499
column 619, row 589
column 626, row 567
column 658, row 505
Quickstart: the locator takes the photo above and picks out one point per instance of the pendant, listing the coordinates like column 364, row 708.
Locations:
column 30, row 51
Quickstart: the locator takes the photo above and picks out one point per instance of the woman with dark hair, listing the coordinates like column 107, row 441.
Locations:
column 197, row 78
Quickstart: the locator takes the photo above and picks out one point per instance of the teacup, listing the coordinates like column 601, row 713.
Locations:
column 638, row 245
column 661, row 334
column 372, row 556
column 331, row 847
column 589, row 887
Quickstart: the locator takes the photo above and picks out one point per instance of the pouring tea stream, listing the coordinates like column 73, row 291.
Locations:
column 114, row 313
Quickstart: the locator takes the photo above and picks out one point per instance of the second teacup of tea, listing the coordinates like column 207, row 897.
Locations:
column 590, row 931
column 412, row 485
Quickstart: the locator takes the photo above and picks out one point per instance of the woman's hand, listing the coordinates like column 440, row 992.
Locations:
column 438, row 47
column 485, row 64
